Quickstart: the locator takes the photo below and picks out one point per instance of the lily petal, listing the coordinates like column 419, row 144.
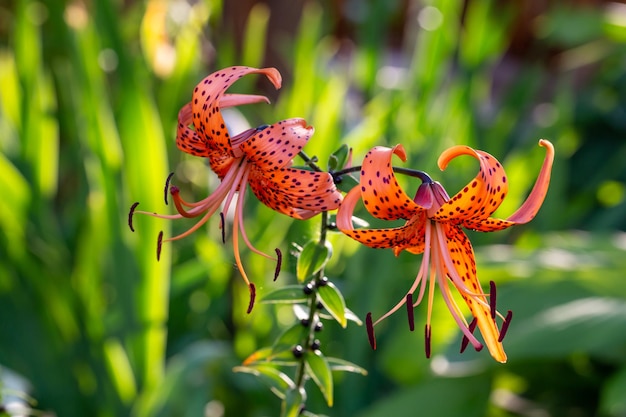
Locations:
column 297, row 193
column 530, row 207
column 275, row 146
column 382, row 195
column 463, row 264
column 409, row 237
column 209, row 96
column 482, row 196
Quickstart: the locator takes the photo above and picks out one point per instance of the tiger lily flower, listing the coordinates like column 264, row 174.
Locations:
column 260, row 157
column 434, row 228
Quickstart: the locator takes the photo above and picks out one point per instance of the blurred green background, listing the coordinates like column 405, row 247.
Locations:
column 92, row 325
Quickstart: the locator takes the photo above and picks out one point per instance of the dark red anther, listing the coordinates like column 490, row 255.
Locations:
column 427, row 340
column 167, row 186
column 130, row 216
column 409, row 310
column 279, row 262
column 370, row 330
column 505, row 325
column 159, row 245
column 223, row 227
column 492, row 299
column 252, row 289
column 465, row 340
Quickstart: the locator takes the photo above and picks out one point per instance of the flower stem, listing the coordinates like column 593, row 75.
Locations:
column 404, row 171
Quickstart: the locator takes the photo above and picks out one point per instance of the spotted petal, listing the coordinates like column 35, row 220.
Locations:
column 463, row 266
column 409, row 237
column 482, row 196
column 209, row 97
column 275, row 146
column 382, row 195
column 298, row 193
column 531, row 206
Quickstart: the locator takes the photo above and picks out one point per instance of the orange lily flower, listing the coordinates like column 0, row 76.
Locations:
column 260, row 157
column 434, row 228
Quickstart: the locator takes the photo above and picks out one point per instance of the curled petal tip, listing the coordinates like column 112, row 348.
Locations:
column 400, row 152
column 274, row 76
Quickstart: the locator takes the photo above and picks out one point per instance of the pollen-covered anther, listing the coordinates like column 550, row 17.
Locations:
column 131, row 212
column 167, row 186
column 223, row 226
column 370, row 330
column 427, row 336
column 409, row 310
column 279, row 261
column 465, row 340
column 159, row 245
column 252, row 290
column 492, row 299
column 505, row 325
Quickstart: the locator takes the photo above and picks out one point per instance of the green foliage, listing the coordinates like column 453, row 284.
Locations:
column 89, row 93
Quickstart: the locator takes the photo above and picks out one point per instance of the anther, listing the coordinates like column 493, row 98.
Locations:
column 492, row 299
column 252, row 289
column 130, row 216
column 427, row 340
column 262, row 127
column 159, row 245
column 222, row 226
column 505, row 325
column 465, row 340
column 279, row 262
column 409, row 310
column 167, row 186
column 370, row 330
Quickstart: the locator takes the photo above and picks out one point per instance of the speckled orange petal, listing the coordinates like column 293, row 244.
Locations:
column 290, row 190
column 409, row 237
column 275, row 146
column 462, row 255
column 382, row 195
column 190, row 142
column 531, row 206
column 209, row 96
column 482, row 196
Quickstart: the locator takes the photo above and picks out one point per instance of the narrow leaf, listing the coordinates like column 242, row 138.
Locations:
column 294, row 399
column 313, row 257
column 289, row 294
column 278, row 382
column 333, row 302
column 337, row 364
column 319, row 370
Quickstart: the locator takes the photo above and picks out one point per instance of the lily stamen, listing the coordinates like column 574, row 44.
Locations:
column 409, row 309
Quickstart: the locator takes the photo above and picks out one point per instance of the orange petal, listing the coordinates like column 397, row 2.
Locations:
column 276, row 146
column 295, row 192
column 482, row 196
column 462, row 256
column 531, row 206
column 409, row 237
column 209, row 96
column 382, row 195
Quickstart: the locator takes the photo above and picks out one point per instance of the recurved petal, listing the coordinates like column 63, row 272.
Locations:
column 295, row 192
column 462, row 257
column 409, row 237
column 209, row 97
column 382, row 195
column 531, row 206
column 275, row 146
column 482, row 196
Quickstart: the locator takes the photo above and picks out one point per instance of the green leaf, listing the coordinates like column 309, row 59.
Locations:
column 278, row 382
column 319, row 370
column 337, row 364
column 282, row 356
column 613, row 401
column 347, row 183
column 333, row 301
column 289, row 294
column 312, row 259
column 294, row 399
column 290, row 337
column 338, row 159
column 350, row 316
